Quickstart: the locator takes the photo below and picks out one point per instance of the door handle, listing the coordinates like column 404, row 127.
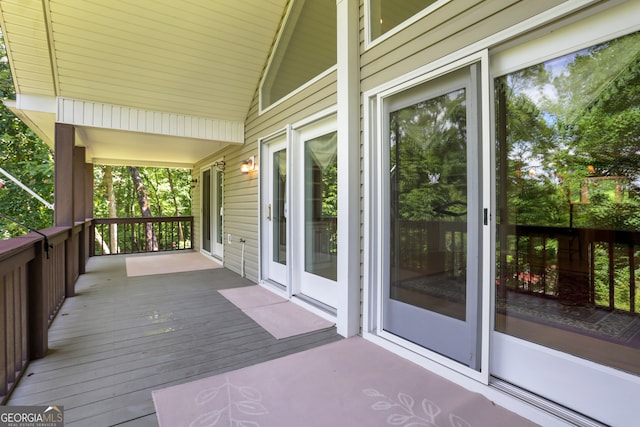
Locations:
column 269, row 212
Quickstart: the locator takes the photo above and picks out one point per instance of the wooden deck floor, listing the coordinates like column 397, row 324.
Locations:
column 120, row 338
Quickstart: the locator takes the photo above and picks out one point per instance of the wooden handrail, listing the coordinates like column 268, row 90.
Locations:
column 135, row 235
column 566, row 265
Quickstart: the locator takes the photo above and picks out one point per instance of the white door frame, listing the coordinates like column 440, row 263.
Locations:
column 269, row 272
column 306, row 284
column 376, row 230
column 403, row 317
column 203, row 222
column 215, row 249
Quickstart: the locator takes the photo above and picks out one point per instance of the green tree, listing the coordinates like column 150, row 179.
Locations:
column 28, row 159
column 428, row 158
column 601, row 122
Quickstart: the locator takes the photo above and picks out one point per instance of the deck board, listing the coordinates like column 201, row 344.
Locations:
column 122, row 337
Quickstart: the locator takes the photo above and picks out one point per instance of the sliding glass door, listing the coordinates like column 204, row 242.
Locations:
column 568, row 232
column 431, row 144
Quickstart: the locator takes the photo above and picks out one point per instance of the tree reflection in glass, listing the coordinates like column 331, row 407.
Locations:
column 568, row 164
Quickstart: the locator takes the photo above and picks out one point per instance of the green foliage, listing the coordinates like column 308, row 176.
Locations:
column 162, row 200
column 569, row 156
column 570, row 120
column 28, row 159
column 330, row 191
column 428, row 158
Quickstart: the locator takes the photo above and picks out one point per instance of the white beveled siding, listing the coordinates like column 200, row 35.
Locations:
column 448, row 29
column 109, row 116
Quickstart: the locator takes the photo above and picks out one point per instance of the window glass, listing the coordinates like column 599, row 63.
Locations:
column 219, row 213
column 387, row 14
column 306, row 48
column 279, row 216
column 321, row 206
column 568, row 187
column 428, row 191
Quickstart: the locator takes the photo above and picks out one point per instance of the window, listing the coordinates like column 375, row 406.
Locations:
column 306, row 48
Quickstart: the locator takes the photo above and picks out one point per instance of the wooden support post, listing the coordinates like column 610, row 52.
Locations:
column 79, row 182
column 88, row 209
column 63, row 190
column 63, row 194
column 79, row 200
column 38, row 306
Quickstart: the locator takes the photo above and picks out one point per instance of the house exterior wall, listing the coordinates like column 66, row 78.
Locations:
column 446, row 32
column 426, row 41
column 429, row 39
column 241, row 192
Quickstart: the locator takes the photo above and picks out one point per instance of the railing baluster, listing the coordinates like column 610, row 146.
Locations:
column 632, row 278
column 4, row 340
column 132, row 233
column 544, row 264
column 9, row 309
column 592, row 273
column 33, row 286
column 612, row 280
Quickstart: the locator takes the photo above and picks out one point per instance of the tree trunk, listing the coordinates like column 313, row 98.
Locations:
column 143, row 202
column 102, row 243
column 175, row 203
column 112, row 209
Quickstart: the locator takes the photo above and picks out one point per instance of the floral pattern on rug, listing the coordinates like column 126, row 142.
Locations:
column 231, row 403
column 406, row 413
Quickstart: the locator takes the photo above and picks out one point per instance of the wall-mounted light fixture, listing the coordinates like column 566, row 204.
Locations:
column 194, row 182
column 248, row 165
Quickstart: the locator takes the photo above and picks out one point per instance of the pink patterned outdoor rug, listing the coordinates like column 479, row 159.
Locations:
column 347, row 383
column 278, row 316
column 145, row 265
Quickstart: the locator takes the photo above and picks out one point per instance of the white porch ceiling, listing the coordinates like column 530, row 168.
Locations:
column 199, row 59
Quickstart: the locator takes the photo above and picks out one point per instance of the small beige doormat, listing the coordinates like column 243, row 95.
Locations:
column 351, row 382
column 278, row 316
column 145, row 265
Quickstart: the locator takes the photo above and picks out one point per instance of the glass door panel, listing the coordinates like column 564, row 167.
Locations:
column 431, row 297
column 279, row 206
column 315, row 190
column 274, row 212
column 567, row 251
column 206, row 210
column 218, row 211
column 428, row 191
column 568, row 193
column 321, row 206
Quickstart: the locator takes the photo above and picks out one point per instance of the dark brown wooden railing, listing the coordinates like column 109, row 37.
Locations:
column 576, row 265
column 573, row 265
column 114, row 236
column 35, row 278
column 443, row 242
